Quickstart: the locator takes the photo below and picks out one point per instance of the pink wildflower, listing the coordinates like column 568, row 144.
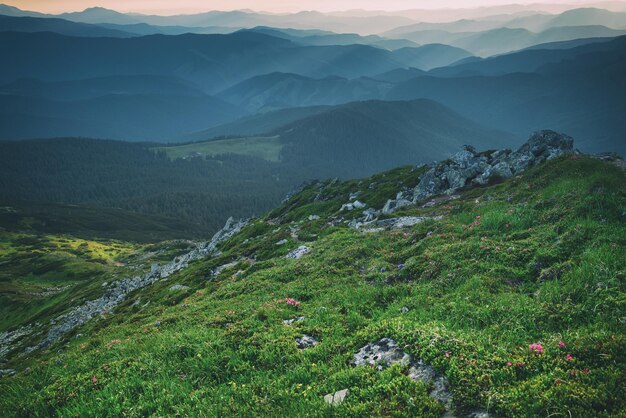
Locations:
column 447, row 354
column 561, row 344
column 569, row 357
column 536, row 348
column 509, row 364
column 94, row 380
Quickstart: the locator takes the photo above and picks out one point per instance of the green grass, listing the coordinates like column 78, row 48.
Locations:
column 267, row 148
column 42, row 276
column 537, row 259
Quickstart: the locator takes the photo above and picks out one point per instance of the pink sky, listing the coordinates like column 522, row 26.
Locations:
column 189, row 6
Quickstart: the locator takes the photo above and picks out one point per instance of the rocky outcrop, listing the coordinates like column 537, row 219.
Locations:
column 9, row 338
column 7, row 372
column 385, row 352
column 381, row 354
column 118, row 291
column 298, row 252
column 469, row 167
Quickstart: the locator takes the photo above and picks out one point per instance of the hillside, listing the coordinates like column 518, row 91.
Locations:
column 361, row 138
column 504, row 299
column 350, row 140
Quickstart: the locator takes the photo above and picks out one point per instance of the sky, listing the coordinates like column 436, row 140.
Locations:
column 279, row 6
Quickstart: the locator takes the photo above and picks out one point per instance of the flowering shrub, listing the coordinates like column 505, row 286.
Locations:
column 292, row 302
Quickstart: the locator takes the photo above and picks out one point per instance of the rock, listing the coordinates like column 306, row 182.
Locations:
column 354, row 195
column 336, row 398
column 217, row 270
column 501, row 170
column 352, row 206
column 469, row 167
column 313, row 217
column 404, row 309
column 424, row 373
column 178, row 287
column 306, row 341
column 298, row 252
column 369, row 214
column 398, row 223
column 9, row 338
column 282, row 242
column 7, row 372
column 393, row 205
column 384, row 352
column 293, row 320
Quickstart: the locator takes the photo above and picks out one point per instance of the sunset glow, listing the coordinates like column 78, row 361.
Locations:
column 276, row 6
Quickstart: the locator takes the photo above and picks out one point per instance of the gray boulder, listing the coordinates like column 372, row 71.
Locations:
column 336, row 398
column 306, row 341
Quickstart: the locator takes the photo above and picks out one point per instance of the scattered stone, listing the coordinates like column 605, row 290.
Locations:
column 352, row 206
column 293, row 320
column 404, row 309
column 298, row 252
column 336, row 398
column 178, row 287
column 313, row 217
column 7, row 372
column 306, row 341
column 393, row 223
column 282, row 242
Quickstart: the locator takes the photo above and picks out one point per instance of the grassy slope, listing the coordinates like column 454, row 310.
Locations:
column 267, row 148
column 545, row 264
column 43, row 275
